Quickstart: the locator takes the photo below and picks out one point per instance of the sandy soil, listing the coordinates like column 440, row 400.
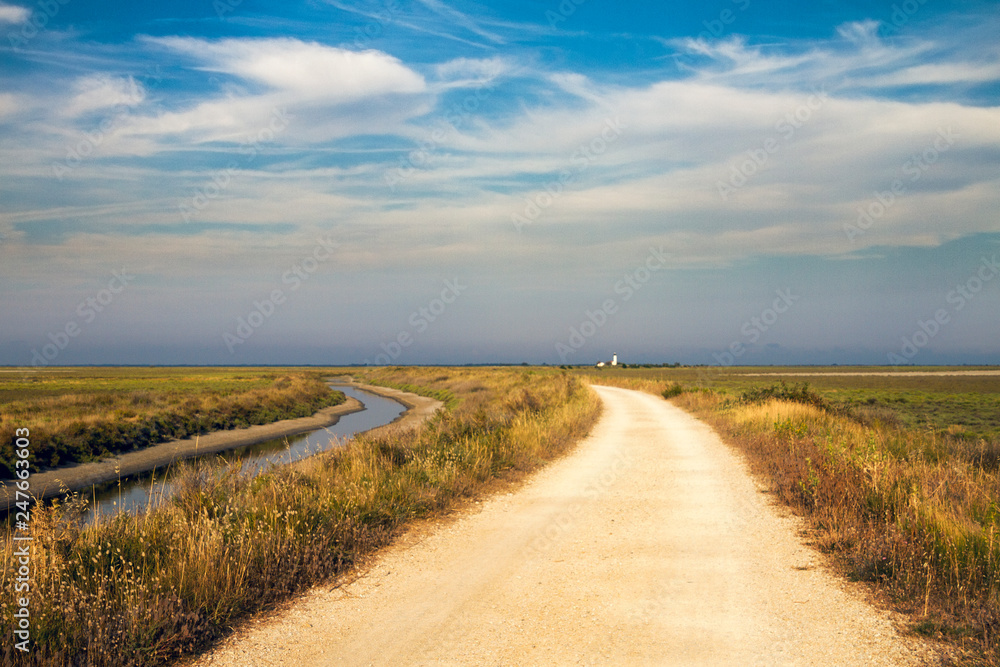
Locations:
column 648, row 545
column 49, row 484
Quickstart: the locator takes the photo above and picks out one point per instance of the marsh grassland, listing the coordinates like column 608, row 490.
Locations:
column 143, row 590
column 898, row 477
column 81, row 414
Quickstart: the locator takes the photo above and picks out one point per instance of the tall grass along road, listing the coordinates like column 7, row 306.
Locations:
column 649, row 544
column 141, row 590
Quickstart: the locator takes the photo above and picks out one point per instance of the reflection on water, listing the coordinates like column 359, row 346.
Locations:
column 133, row 494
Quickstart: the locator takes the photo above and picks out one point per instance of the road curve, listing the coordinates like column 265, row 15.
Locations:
column 648, row 545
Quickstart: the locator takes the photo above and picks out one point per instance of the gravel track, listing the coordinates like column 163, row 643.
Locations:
column 649, row 544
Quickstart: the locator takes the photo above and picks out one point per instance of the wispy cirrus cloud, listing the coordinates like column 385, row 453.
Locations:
column 417, row 18
column 460, row 19
column 950, row 73
column 857, row 59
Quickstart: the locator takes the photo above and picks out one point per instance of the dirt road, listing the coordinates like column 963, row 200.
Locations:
column 648, row 545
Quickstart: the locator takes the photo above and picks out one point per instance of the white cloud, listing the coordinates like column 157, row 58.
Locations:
column 328, row 92
column 472, row 69
column 308, row 69
column 737, row 59
column 858, row 59
column 102, row 92
column 862, row 33
column 262, row 118
column 8, row 104
column 943, row 73
column 679, row 139
column 14, row 13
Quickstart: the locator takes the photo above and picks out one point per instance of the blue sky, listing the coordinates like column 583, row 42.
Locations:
column 328, row 182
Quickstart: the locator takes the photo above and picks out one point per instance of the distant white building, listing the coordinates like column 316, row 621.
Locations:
column 613, row 362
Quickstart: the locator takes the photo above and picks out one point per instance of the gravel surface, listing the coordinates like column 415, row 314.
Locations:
column 650, row 544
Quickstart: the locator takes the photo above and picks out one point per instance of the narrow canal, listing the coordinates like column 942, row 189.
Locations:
column 134, row 494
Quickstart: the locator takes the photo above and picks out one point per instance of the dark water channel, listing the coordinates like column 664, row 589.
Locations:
column 133, row 494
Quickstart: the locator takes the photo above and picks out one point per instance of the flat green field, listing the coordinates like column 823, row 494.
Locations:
column 966, row 406
column 78, row 414
column 21, row 384
column 943, row 399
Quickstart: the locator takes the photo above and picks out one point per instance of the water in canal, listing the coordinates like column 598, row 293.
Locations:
column 133, row 494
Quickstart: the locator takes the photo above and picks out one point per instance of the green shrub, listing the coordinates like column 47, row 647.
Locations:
column 798, row 393
column 673, row 390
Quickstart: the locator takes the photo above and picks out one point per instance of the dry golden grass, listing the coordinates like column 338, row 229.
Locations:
column 142, row 590
column 895, row 506
column 914, row 512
